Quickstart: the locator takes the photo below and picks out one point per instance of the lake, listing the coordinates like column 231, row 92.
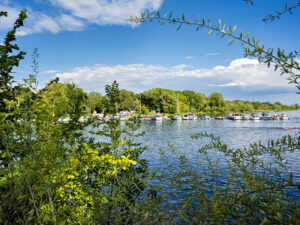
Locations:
column 234, row 133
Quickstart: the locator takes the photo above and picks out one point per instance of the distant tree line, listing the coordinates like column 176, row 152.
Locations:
column 166, row 101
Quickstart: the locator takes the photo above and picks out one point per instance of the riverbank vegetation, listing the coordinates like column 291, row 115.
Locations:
column 93, row 173
column 166, row 100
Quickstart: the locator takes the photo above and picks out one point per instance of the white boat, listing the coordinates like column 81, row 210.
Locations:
column 158, row 118
column 230, row 116
column 193, row 117
column 276, row 117
column 267, row 116
column 255, row 116
column 165, row 117
column 177, row 117
column 185, row 117
column 206, row 117
column 284, row 117
column 189, row 116
column 237, row 116
column 245, row 117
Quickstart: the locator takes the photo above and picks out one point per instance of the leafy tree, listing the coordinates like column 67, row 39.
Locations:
column 52, row 172
column 8, row 61
column 126, row 100
column 216, row 100
column 95, row 101
column 137, row 104
column 113, row 97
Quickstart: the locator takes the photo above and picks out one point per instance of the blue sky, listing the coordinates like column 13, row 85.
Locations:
column 91, row 44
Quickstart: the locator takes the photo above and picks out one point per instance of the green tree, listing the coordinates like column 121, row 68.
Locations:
column 8, row 60
column 216, row 100
column 137, row 105
column 127, row 100
column 113, row 98
column 95, row 101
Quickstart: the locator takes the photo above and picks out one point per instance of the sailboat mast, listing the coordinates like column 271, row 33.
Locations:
column 178, row 111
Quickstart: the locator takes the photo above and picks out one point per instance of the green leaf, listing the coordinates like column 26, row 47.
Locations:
column 179, row 27
column 247, row 46
column 233, row 29
column 231, row 41
column 209, row 33
column 197, row 18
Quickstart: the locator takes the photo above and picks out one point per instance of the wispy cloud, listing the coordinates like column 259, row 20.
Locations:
column 76, row 15
column 212, row 53
column 39, row 22
column 103, row 12
column 49, row 72
column 189, row 57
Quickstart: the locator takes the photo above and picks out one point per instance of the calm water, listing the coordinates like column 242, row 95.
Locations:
column 233, row 133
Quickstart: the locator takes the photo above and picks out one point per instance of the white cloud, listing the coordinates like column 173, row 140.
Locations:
column 107, row 11
column 245, row 73
column 49, row 71
column 189, row 57
column 39, row 22
column 212, row 54
column 248, row 73
column 7, row 22
column 76, row 15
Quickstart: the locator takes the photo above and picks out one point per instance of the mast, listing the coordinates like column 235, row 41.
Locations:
column 178, row 110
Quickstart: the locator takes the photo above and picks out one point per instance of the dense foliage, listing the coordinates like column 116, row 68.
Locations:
column 56, row 172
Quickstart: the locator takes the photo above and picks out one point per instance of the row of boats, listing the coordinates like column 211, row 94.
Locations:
column 236, row 116
column 258, row 116
column 189, row 116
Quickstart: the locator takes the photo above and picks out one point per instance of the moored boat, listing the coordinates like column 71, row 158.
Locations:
column 276, row 117
column 267, row 116
column 185, row 117
column 255, row 116
column 193, row 117
column 165, row 117
column 158, row 118
column 177, row 117
column 245, row 117
column 189, row 116
column 205, row 117
column 284, row 116
column 237, row 116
